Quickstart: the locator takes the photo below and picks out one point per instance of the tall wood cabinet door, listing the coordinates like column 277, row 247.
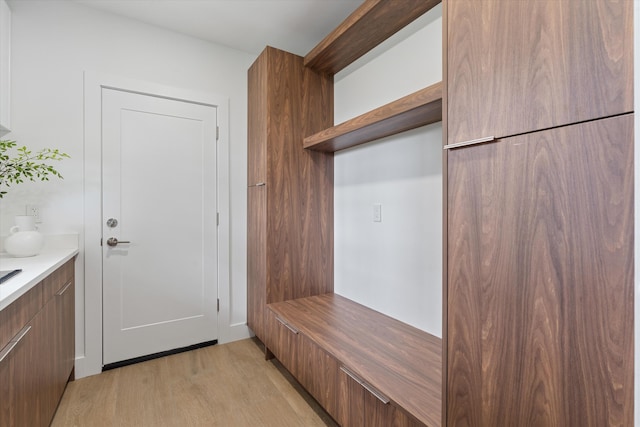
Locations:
column 519, row 66
column 540, row 279
column 257, row 259
column 258, row 117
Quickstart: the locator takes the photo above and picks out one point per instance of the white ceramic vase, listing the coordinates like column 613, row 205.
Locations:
column 25, row 239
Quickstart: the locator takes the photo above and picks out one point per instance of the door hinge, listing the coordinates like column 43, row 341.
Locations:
column 217, row 218
column 101, row 241
column 218, row 305
column 217, row 133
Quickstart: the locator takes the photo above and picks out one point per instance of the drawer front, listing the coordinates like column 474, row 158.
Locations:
column 15, row 316
column 319, row 374
column 57, row 280
column 283, row 342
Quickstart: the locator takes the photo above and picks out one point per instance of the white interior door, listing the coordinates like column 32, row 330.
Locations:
column 159, row 184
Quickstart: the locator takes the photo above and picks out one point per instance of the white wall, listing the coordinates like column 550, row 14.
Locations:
column 53, row 43
column 394, row 266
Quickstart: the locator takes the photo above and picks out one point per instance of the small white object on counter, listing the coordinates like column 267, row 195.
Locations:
column 25, row 239
column 34, row 270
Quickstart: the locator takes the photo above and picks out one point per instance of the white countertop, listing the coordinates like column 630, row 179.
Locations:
column 34, row 269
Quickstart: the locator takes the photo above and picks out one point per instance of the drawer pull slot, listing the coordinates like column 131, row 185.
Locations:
column 14, row 342
column 381, row 397
column 288, row 326
column 63, row 290
column 470, row 142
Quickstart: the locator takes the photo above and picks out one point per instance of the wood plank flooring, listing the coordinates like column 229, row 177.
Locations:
column 223, row 385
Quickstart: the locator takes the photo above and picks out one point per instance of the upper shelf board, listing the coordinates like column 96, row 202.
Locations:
column 418, row 109
column 368, row 26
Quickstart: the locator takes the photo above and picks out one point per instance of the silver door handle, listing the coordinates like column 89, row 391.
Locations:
column 112, row 241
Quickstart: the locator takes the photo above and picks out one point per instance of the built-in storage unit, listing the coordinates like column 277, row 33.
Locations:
column 328, row 342
column 5, row 68
column 363, row 367
column 37, row 350
column 290, row 194
column 540, row 213
column 537, row 110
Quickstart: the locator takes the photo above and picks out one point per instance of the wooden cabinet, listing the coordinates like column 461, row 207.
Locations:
column 540, row 274
column 363, row 367
column 516, row 68
column 36, row 362
column 539, row 291
column 290, row 195
column 5, row 67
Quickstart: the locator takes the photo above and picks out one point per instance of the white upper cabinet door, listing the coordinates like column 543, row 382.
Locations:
column 5, row 68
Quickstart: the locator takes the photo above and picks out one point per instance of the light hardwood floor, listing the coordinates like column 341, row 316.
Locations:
column 224, row 385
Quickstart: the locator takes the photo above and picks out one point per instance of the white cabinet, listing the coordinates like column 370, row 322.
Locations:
column 5, row 67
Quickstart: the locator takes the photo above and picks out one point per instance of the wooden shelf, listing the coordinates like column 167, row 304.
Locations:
column 368, row 26
column 418, row 109
column 402, row 362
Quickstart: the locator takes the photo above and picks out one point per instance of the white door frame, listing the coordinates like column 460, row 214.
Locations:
column 90, row 363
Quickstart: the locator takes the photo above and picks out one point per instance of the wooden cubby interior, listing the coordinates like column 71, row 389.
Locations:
column 400, row 361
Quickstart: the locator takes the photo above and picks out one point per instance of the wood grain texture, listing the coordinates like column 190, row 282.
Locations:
column 222, row 385
column 258, row 120
column 290, row 230
column 17, row 314
column 400, row 361
column 541, row 279
column 64, row 340
column 445, row 216
column 284, row 344
column 352, row 396
column 319, row 375
column 514, row 69
column 257, row 259
column 417, row 109
column 369, row 25
column 30, row 394
column 299, row 182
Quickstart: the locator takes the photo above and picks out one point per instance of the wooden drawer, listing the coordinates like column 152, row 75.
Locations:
column 57, row 280
column 319, row 374
column 283, row 341
column 363, row 405
column 15, row 316
column 20, row 312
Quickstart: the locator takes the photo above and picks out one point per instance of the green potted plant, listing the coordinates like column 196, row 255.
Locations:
column 17, row 165
column 21, row 164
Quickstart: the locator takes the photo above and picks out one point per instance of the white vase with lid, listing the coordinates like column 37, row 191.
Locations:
column 25, row 239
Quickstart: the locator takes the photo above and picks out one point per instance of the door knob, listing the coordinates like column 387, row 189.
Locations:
column 112, row 241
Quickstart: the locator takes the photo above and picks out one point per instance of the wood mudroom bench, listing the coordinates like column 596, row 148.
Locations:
column 364, row 367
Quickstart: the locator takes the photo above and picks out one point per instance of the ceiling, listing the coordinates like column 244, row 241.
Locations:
column 248, row 25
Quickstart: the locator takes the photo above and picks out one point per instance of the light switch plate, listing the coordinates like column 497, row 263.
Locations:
column 377, row 212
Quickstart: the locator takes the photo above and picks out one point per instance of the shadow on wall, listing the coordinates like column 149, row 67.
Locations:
column 412, row 154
